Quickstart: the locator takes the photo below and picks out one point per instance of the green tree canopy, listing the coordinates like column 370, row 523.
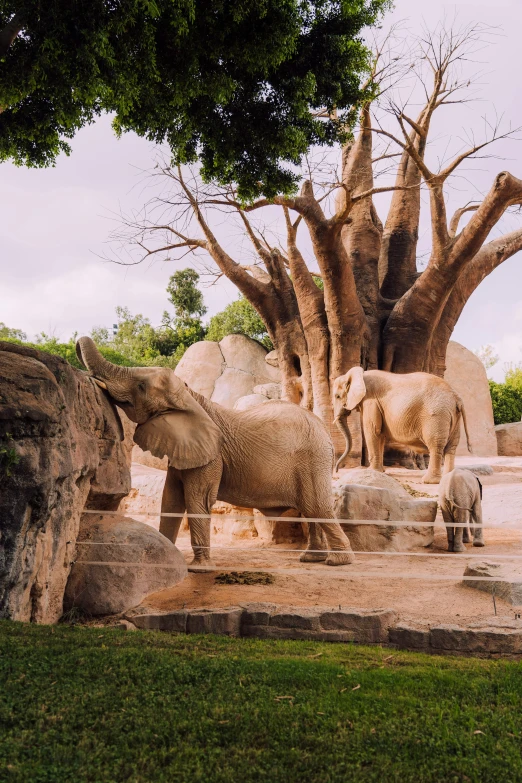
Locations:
column 6, row 333
column 236, row 84
column 238, row 317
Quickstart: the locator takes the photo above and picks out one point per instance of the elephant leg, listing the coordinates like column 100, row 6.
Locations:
column 172, row 502
column 466, row 537
column 450, row 530
column 461, row 517
column 339, row 550
column 372, row 425
column 315, row 550
column 477, row 529
column 434, row 473
column 201, row 488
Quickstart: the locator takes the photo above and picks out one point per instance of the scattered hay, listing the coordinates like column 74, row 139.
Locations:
column 415, row 492
column 245, row 578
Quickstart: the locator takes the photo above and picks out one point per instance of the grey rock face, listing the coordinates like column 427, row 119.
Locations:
column 118, row 562
column 381, row 497
column 61, row 449
column 509, row 439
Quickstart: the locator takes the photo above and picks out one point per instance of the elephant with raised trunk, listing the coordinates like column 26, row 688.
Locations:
column 274, row 457
column 416, row 409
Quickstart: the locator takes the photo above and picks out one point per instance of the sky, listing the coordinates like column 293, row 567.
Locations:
column 56, row 222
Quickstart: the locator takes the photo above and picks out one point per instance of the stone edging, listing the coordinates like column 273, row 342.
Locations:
column 494, row 637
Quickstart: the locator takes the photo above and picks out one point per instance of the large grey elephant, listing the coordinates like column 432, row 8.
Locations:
column 274, row 457
column 415, row 409
column 460, row 500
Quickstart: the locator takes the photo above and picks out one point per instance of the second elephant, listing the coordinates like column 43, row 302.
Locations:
column 460, row 500
column 415, row 409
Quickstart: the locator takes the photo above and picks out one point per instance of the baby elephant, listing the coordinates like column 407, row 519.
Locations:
column 460, row 494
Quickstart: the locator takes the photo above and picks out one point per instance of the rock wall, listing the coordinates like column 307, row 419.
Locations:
column 509, row 439
column 467, row 375
column 227, row 370
column 61, row 449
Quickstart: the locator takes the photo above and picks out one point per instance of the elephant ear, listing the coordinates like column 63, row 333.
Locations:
column 357, row 388
column 189, row 438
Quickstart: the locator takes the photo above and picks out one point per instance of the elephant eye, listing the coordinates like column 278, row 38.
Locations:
column 142, row 386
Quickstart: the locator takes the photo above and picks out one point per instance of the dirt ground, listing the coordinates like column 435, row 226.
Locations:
column 412, row 584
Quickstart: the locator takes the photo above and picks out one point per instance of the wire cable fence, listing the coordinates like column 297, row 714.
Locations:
column 350, row 571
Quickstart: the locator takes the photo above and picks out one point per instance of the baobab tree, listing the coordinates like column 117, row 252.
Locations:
column 361, row 299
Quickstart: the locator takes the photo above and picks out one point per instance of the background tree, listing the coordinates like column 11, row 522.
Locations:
column 237, row 85
column 378, row 308
column 238, row 317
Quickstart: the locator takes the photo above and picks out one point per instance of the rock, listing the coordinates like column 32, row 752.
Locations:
column 376, row 496
column 226, row 622
column 118, row 562
column 488, row 575
column 125, row 625
column 64, row 450
column 270, row 390
column 227, row 370
column 200, row 366
column 145, row 495
column 478, row 470
column 271, row 359
column 410, row 636
column 487, row 637
column 232, row 385
column 250, row 401
column 466, row 374
column 509, row 439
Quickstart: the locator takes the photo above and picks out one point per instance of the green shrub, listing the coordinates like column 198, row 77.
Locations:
column 239, row 317
column 68, row 351
column 507, row 402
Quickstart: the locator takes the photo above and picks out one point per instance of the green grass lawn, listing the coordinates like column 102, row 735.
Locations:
column 88, row 704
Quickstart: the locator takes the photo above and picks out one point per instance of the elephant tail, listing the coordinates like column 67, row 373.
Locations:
column 462, row 412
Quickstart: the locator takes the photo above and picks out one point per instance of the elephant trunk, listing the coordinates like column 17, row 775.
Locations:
column 342, row 424
column 99, row 367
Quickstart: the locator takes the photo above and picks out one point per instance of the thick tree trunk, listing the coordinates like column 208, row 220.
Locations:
column 362, row 232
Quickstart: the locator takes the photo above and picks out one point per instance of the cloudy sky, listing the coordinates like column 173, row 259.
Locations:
column 55, row 222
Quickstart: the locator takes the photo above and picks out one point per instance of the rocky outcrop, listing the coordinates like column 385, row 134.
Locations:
column 227, row 370
column 366, row 494
column 504, row 580
column 118, row 562
column 466, row 374
column 509, row 439
column 61, row 449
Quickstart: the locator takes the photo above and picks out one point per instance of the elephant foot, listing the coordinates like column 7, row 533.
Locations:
column 431, row 479
column 341, row 557
column 201, row 564
column 479, row 543
column 313, row 557
column 459, row 548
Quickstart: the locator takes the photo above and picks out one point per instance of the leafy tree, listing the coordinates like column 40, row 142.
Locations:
column 67, row 351
column 507, row 402
column 186, row 327
column 135, row 339
column 237, row 85
column 239, row 317
column 6, row 333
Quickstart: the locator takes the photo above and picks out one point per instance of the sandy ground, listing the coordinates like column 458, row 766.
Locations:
column 411, row 584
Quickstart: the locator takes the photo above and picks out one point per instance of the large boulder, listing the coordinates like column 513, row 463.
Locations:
column 61, row 450
column 365, row 494
column 509, row 439
column 118, row 562
column 227, row 370
column 466, row 374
